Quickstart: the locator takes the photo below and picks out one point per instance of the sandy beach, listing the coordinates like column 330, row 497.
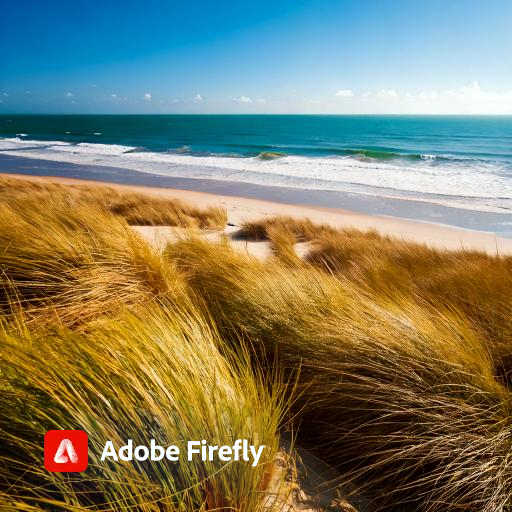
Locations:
column 241, row 209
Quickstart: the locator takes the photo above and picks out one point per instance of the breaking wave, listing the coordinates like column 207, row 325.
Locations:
column 473, row 184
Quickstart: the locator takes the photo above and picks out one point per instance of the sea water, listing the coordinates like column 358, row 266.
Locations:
column 457, row 161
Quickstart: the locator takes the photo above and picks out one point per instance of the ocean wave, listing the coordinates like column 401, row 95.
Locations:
column 360, row 153
column 270, row 155
column 482, row 187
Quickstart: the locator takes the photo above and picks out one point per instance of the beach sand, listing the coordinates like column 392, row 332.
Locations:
column 241, row 209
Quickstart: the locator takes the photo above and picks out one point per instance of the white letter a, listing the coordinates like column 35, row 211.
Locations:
column 65, row 447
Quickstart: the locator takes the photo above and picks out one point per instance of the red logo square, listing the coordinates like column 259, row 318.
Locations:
column 66, row 451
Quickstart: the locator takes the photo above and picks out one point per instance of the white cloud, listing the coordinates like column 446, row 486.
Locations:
column 69, row 94
column 198, row 98
column 432, row 95
column 344, row 93
column 387, row 93
column 114, row 95
column 472, row 88
column 469, row 99
column 261, row 100
column 243, row 99
column 147, row 96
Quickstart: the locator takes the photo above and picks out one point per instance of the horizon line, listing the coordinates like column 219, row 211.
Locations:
column 248, row 114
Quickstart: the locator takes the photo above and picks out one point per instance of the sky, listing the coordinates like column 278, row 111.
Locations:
column 269, row 56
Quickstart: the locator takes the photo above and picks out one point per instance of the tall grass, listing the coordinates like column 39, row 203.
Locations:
column 134, row 207
column 401, row 355
column 160, row 375
column 401, row 399
column 76, row 265
column 472, row 282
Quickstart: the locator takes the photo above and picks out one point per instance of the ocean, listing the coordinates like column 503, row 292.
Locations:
column 457, row 162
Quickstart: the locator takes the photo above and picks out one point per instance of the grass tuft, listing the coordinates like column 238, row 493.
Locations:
column 134, row 207
column 157, row 376
column 402, row 400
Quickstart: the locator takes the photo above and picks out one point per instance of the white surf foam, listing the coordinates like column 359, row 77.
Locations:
column 481, row 187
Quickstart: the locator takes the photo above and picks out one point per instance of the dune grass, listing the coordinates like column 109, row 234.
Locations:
column 157, row 376
column 475, row 283
column 401, row 399
column 392, row 359
column 75, row 265
column 135, row 208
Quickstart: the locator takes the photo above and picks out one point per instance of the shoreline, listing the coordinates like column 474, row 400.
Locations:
column 413, row 209
column 242, row 209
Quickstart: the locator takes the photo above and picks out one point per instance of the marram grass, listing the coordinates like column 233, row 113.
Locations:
column 73, row 266
column 134, row 207
column 159, row 375
column 393, row 359
column 404, row 401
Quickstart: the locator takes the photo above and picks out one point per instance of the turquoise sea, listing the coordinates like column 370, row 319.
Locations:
column 461, row 162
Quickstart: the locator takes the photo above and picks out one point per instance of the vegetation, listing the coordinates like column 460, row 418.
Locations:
column 391, row 360
column 73, row 266
column 135, row 208
column 160, row 376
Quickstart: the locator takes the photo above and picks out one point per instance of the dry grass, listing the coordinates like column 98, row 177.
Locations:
column 135, row 208
column 98, row 333
column 72, row 266
column 472, row 282
column 402, row 400
column 401, row 356
column 283, row 233
column 303, row 230
column 159, row 376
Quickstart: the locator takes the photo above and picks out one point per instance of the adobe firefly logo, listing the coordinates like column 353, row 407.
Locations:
column 65, row 451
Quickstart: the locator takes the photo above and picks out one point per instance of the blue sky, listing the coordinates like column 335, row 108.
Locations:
column 309, row 56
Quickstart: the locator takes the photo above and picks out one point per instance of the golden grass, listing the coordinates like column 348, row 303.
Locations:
column 401, row 399
column 158, row 376
column 472, row 282
column 73, row 266
column 393, row 358
column 135, row 208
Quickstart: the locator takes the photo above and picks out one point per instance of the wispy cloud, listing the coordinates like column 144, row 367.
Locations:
column 243, row 99
column 471, row 89
column 5, row 94
column 198, row 98
column 147, row 96
column 344, row 93
column 387, row 93
column 425, row 95
column 69, row 94
column 466, row 99
column 114, row 95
